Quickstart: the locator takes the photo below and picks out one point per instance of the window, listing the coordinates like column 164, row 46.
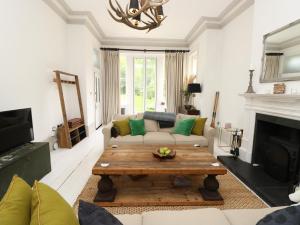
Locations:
column 150, row 84
column 142, row 83
column 139, row 85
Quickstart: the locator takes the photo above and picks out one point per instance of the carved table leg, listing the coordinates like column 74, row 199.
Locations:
column 210, row 190
column 106, row 191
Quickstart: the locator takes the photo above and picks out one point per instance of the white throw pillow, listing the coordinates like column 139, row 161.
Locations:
column 151, row 126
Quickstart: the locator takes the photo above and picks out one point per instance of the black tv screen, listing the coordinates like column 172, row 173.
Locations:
column 16, row 129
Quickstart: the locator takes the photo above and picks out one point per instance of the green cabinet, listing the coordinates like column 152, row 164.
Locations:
column 30, row 161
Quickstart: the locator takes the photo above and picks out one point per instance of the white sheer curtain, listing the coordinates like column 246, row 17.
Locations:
column 110, row 84
column 175, row 69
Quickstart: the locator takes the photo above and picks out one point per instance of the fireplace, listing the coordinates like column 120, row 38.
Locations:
column 276, row 148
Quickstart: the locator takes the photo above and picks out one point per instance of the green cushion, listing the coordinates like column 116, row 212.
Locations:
column 199, row 125
column 49, row 208
column 184, row 127
column 137, row 127
column 15, row 205
column 122, row 126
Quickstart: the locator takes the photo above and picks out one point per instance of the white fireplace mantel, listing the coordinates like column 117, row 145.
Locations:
column 273, row 97
column 280, row 105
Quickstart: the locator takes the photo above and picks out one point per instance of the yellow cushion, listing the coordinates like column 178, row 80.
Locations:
column 49, row 208
column 15, row 205
column 122, row 126
column 198, row 128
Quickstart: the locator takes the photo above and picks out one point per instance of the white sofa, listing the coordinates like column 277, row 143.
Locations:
column 209, row 216
column 156, row 135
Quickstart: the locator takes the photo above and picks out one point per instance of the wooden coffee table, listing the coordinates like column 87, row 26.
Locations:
column 138, row 161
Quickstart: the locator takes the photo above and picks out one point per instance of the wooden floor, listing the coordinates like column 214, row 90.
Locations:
column 157, row 191
column 71, row 168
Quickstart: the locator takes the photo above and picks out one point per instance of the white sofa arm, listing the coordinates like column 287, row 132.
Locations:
column 209, row 133
column 106, row 130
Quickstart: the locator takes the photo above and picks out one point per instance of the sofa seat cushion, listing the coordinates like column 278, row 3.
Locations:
column 188, row 217
column 158, row 138
column 128, row 139
column 130, row 219
column 166, row 130
column 192, row 139
column 247, row 216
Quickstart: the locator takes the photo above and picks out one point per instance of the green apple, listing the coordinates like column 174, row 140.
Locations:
column 164, row 151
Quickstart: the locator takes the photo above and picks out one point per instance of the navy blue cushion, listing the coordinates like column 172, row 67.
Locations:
column 90, row 214
column 287, row 216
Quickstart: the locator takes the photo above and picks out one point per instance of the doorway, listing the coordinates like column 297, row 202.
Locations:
column 98, row 116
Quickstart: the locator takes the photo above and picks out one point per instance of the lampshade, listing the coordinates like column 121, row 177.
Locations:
column 194, row 88
column 160, row 12
column 133, row 6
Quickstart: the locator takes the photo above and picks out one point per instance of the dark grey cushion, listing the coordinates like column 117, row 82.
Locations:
column 287, row 216
column 90, row 214
column 114, row 132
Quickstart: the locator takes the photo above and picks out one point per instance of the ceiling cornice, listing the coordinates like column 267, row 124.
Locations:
column 61, row 8
column 86, row 18
column 235, row 8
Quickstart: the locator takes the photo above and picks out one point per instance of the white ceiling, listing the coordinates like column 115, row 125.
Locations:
column 183, row 15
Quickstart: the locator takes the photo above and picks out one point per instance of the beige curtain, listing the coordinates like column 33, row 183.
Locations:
column 174, row 68
column 110, row 85
column 271, row 67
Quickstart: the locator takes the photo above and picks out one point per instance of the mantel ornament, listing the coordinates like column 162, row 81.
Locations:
column 250, row 87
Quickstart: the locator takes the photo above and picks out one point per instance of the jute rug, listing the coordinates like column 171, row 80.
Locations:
column 235, row 194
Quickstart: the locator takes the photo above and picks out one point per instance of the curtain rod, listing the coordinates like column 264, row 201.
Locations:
column 274, row 54
column 141, row 50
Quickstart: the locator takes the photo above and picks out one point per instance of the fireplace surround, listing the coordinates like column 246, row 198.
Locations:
column 276, row 147
column 269, row 159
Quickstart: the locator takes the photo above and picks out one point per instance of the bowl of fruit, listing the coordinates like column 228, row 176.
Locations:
column 164, row 153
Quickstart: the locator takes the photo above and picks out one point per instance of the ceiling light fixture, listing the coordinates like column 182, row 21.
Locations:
column 135, row 13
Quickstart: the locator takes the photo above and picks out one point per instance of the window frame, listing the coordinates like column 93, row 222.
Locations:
column 130, row 74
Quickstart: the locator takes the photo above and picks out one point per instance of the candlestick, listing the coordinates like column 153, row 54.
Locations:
column 250, row 87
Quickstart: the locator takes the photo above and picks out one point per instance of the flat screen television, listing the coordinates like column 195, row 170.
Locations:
column 16, row 129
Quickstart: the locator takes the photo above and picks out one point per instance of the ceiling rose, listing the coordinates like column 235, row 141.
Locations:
column 139, row 14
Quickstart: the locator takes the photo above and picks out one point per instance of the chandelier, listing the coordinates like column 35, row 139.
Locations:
column 139, row 14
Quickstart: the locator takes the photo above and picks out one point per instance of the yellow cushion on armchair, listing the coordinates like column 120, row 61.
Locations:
column 49, row 208
column 15, row 205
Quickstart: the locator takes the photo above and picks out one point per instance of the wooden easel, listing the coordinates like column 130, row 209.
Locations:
column 68, row 137
column 214, row 115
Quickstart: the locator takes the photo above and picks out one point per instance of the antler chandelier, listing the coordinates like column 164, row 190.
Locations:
column 132, row 15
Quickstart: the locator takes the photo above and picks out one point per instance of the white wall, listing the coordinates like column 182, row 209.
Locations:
column 80, row 60
column 207, row 47
column 223, row 64
column 33, row 44
column 269, row 15
column 234, row 76
column 34, row 41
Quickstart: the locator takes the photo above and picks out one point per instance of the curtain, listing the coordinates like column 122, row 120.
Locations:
column 110, row 85
column 174, row 68
column 271, row 67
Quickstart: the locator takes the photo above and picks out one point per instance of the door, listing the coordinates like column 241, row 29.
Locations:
column 98, row 117
column 145, row 82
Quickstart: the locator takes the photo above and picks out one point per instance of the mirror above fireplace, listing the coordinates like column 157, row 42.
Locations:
column 281, row 54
